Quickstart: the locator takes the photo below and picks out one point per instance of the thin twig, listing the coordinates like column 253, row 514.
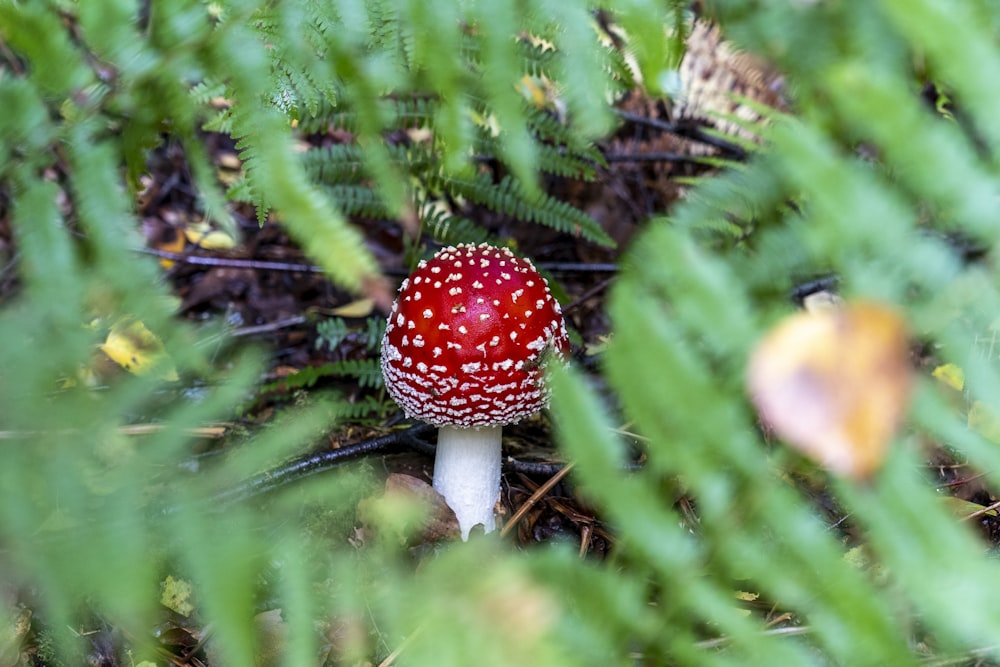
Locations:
column 534, row 498
column 960, row 482
column 592, row 292
column 790, row 631
column 391, row 658
column 963, row 659
column 651, row 157
column 230, row 262
column 980, row 512
column 213, row 431
column 577, row 267
column 270, row 327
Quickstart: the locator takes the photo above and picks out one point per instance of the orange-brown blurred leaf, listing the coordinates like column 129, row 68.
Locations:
column 835, row 384
column 174, row 243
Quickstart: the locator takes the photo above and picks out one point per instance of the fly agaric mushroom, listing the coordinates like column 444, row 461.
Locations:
column 464, row 349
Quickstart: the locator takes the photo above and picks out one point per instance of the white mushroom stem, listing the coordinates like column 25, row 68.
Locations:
column 467, row 474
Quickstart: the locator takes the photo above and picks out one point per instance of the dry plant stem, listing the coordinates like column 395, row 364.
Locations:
column 390, row 659
column 535, row 497
column 467, row 474
column 980, row 512
column 214, row 431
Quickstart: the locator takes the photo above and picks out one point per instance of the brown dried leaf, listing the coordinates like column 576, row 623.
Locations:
column 411, row 510
column 835, row 384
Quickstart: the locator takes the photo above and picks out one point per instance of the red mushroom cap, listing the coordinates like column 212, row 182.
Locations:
column 467, row 337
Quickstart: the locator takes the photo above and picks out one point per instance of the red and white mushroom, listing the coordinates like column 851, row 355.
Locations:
column 464, row 349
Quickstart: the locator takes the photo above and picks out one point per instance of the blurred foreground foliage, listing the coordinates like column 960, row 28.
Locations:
column 867, row 181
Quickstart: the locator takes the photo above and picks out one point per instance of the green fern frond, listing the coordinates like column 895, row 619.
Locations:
column 333, row 164
column 508, row 197
column 405, row 113
column 247, row 189
column 368, row 372
column 449, row 229
column 335, row 330
column 366, row 408
column 561, row 161
column 204, row 92
column 358, row 200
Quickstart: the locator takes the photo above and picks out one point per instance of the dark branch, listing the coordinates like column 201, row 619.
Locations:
column 688, row 132
column 263, row 265
column 229, row 262
column 310, row 464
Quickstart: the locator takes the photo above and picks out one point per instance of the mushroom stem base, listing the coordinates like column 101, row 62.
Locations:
column 467, row 474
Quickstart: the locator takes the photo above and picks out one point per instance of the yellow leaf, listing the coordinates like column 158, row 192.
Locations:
column 138, row 350
column 983, row 420
column 202, row 235
column 951, row 375
column 963, row 508
column 359, row 308
column 532, row 91
column 834, row 384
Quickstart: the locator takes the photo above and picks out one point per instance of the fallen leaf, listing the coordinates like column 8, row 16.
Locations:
column 411, row 510
column 820, row 301
column 358, row 308
column 12, row 636
column 983, row 420
column 176, row 595
column 834, row 384
column 960, row 509
column 138, row 350
column 951, row 375
column 175, row 243
column 204, row 236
